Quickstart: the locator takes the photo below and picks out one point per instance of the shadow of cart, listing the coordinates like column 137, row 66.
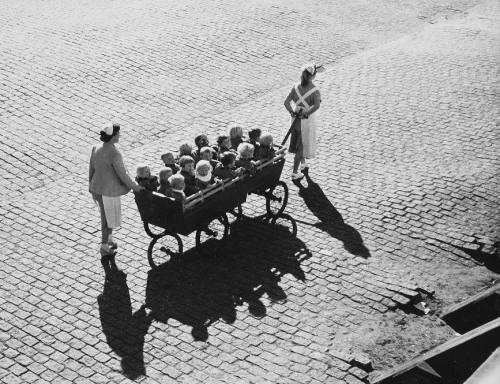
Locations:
column 197, row 290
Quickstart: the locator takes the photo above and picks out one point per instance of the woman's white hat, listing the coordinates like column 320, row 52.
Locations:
column 312, row 68
column 107, row 129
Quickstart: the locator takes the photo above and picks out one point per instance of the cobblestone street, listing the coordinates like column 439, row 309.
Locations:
column 402, row 204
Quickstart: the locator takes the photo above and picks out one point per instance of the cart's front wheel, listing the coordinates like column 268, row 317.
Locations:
column 210, row 239
column 276, row 199
column 169, row 244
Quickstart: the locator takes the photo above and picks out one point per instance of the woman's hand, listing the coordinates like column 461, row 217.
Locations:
column 138, row 188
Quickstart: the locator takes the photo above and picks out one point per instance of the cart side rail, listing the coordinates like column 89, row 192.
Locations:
column 201, row 196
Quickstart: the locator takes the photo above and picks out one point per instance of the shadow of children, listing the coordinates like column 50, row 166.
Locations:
column 198, row 291
column 331, row 221
column 124, row 330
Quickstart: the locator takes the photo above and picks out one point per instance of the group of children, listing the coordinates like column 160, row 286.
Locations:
column 193, row 170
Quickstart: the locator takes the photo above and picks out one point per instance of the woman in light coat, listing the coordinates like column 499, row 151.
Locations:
column 108, row 181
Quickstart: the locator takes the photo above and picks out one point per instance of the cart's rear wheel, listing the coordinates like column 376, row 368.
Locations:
column 210, row 239
column 276, row 199
column 169, row 244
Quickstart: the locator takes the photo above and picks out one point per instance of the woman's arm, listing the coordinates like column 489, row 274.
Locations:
column 315, row 107
column 122, row 173
column 91, row 167
column 287, row 102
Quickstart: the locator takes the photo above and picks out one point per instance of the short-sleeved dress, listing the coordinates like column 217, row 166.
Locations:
column 303, row 135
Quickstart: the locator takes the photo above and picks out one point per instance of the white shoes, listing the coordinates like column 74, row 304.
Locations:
column 297, row 176
column 304, row 166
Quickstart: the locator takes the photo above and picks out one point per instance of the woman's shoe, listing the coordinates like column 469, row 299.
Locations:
column 113, row 245
column 304, row 166
column 297, row 176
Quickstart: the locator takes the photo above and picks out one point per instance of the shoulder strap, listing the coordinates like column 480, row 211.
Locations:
column 296, row 87
column 310, row 92
column 301, row 99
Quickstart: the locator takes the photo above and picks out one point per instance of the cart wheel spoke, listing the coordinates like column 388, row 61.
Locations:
column 209, row 240
column 277, row 199
column 167, row 244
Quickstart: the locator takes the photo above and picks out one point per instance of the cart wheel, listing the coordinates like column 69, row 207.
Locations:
column 276, row 199
column 154, row 231
column 286, row 221
column 169, row 244
column 211, row 238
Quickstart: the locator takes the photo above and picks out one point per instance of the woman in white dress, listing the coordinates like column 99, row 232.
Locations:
column 306, row 101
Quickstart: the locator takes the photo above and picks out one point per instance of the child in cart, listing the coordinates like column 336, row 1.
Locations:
column 187, row 171
column 245, row 156
column 145, row 179
column 164, row 175
column 235, row 136
column 266, row 151
column 253, row 138
column 185, row 150
column 203, row 174
column 177, row 188
column 226, row 169
column 168, row 159
column 200, row 141
column 208, row 154
column 223, row 145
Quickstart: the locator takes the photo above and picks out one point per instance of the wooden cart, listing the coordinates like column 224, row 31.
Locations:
column 206, row 212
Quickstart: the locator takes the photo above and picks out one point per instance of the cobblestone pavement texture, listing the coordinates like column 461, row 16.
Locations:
column 401, row 202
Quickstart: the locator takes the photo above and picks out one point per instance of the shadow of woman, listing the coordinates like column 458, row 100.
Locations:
column 331, row 221
column 124, row 330
column 198, row 290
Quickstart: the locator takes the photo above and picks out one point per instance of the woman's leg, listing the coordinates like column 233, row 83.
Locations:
column 298, row 158
column 105, row 231
column 296, row 162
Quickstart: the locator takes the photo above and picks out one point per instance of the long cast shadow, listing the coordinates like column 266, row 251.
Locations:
column 124, row 330
column 331, row 221
column 198, row 290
